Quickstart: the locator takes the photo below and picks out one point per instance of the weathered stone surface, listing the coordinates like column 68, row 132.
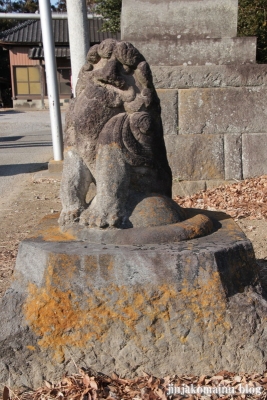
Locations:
column 213, row 183
column 170, row 19
column 192, row 227
column 240, row 50
column 114, row 139
column 187, row 188
column 233, row 156
column 158, row 308
column 254, row 154
column 169, row 110
column 206, row 76
column 223, row 110
column 196, row 157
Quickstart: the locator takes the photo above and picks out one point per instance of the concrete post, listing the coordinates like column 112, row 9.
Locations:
column 78, row 36
column 51, row 77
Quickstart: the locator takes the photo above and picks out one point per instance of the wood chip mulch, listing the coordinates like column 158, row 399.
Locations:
column 244, row 199
column 95, row 386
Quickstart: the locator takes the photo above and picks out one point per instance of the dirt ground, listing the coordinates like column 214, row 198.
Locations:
column 19, row 214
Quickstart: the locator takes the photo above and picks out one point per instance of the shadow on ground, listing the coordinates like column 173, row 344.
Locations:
column 22, row 145
column 16, row 169
column 6, row 142
column 10, row 138
column 3, row 112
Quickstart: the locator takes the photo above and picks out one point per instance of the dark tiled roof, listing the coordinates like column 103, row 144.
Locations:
column 38, row 52
column 29, row 32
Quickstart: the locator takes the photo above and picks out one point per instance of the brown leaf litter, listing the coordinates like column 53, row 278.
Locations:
column 88, row 385
column 244, row 199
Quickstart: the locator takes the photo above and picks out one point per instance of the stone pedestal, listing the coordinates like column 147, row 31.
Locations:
column 212, row 91
column 184, row 307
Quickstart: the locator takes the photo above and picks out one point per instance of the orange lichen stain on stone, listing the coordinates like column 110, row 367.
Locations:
column 183, row 339
column 95, row 265
column 197, row 226
column 55, row 235
column 62, row 268
column 60, row 320
column 91, row 263
column 207, row 301
column 129, row 308
column 233, row 230
column 49, row 230
column 32, row 348
column 106, row 261
column 56, row 317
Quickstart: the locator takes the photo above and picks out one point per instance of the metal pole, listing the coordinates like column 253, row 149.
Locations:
column 78, row 37
column 51, row 77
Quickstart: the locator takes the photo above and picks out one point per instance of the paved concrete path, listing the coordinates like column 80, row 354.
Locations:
column 25, row 146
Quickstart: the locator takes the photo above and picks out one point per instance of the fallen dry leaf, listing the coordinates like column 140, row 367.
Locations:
column 6, row 395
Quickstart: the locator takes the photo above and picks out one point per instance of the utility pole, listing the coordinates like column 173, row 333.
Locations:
column 51, row 77
column 78, row 36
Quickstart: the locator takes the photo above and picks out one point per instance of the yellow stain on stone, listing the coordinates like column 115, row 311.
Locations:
column 183, row 339
column 32, row 348
column 60, row 320
column 55, row 235
column 207, row 301
column 53, row 315
column 107, row 261
column 91, row 263
column 66, row 265
column 54, row 312
column 50, row 232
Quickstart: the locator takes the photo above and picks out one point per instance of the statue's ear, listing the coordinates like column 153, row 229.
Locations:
column 144, row 75
column 127, row 54
column 92, row 56
column 87, row 67
column 106, row 48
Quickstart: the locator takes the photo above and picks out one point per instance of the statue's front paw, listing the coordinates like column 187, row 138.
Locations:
column 93, row 220
column 69, row 217
column 96, row 219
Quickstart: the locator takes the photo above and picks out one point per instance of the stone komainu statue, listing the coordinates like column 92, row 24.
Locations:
column 114, row 138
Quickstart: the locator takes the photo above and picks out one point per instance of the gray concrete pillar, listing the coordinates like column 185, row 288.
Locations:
column 78, row 36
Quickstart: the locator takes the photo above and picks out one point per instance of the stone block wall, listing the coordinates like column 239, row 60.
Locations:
column 171, row 19
column 198, row 52
column 213, row 94
column 214, row 120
